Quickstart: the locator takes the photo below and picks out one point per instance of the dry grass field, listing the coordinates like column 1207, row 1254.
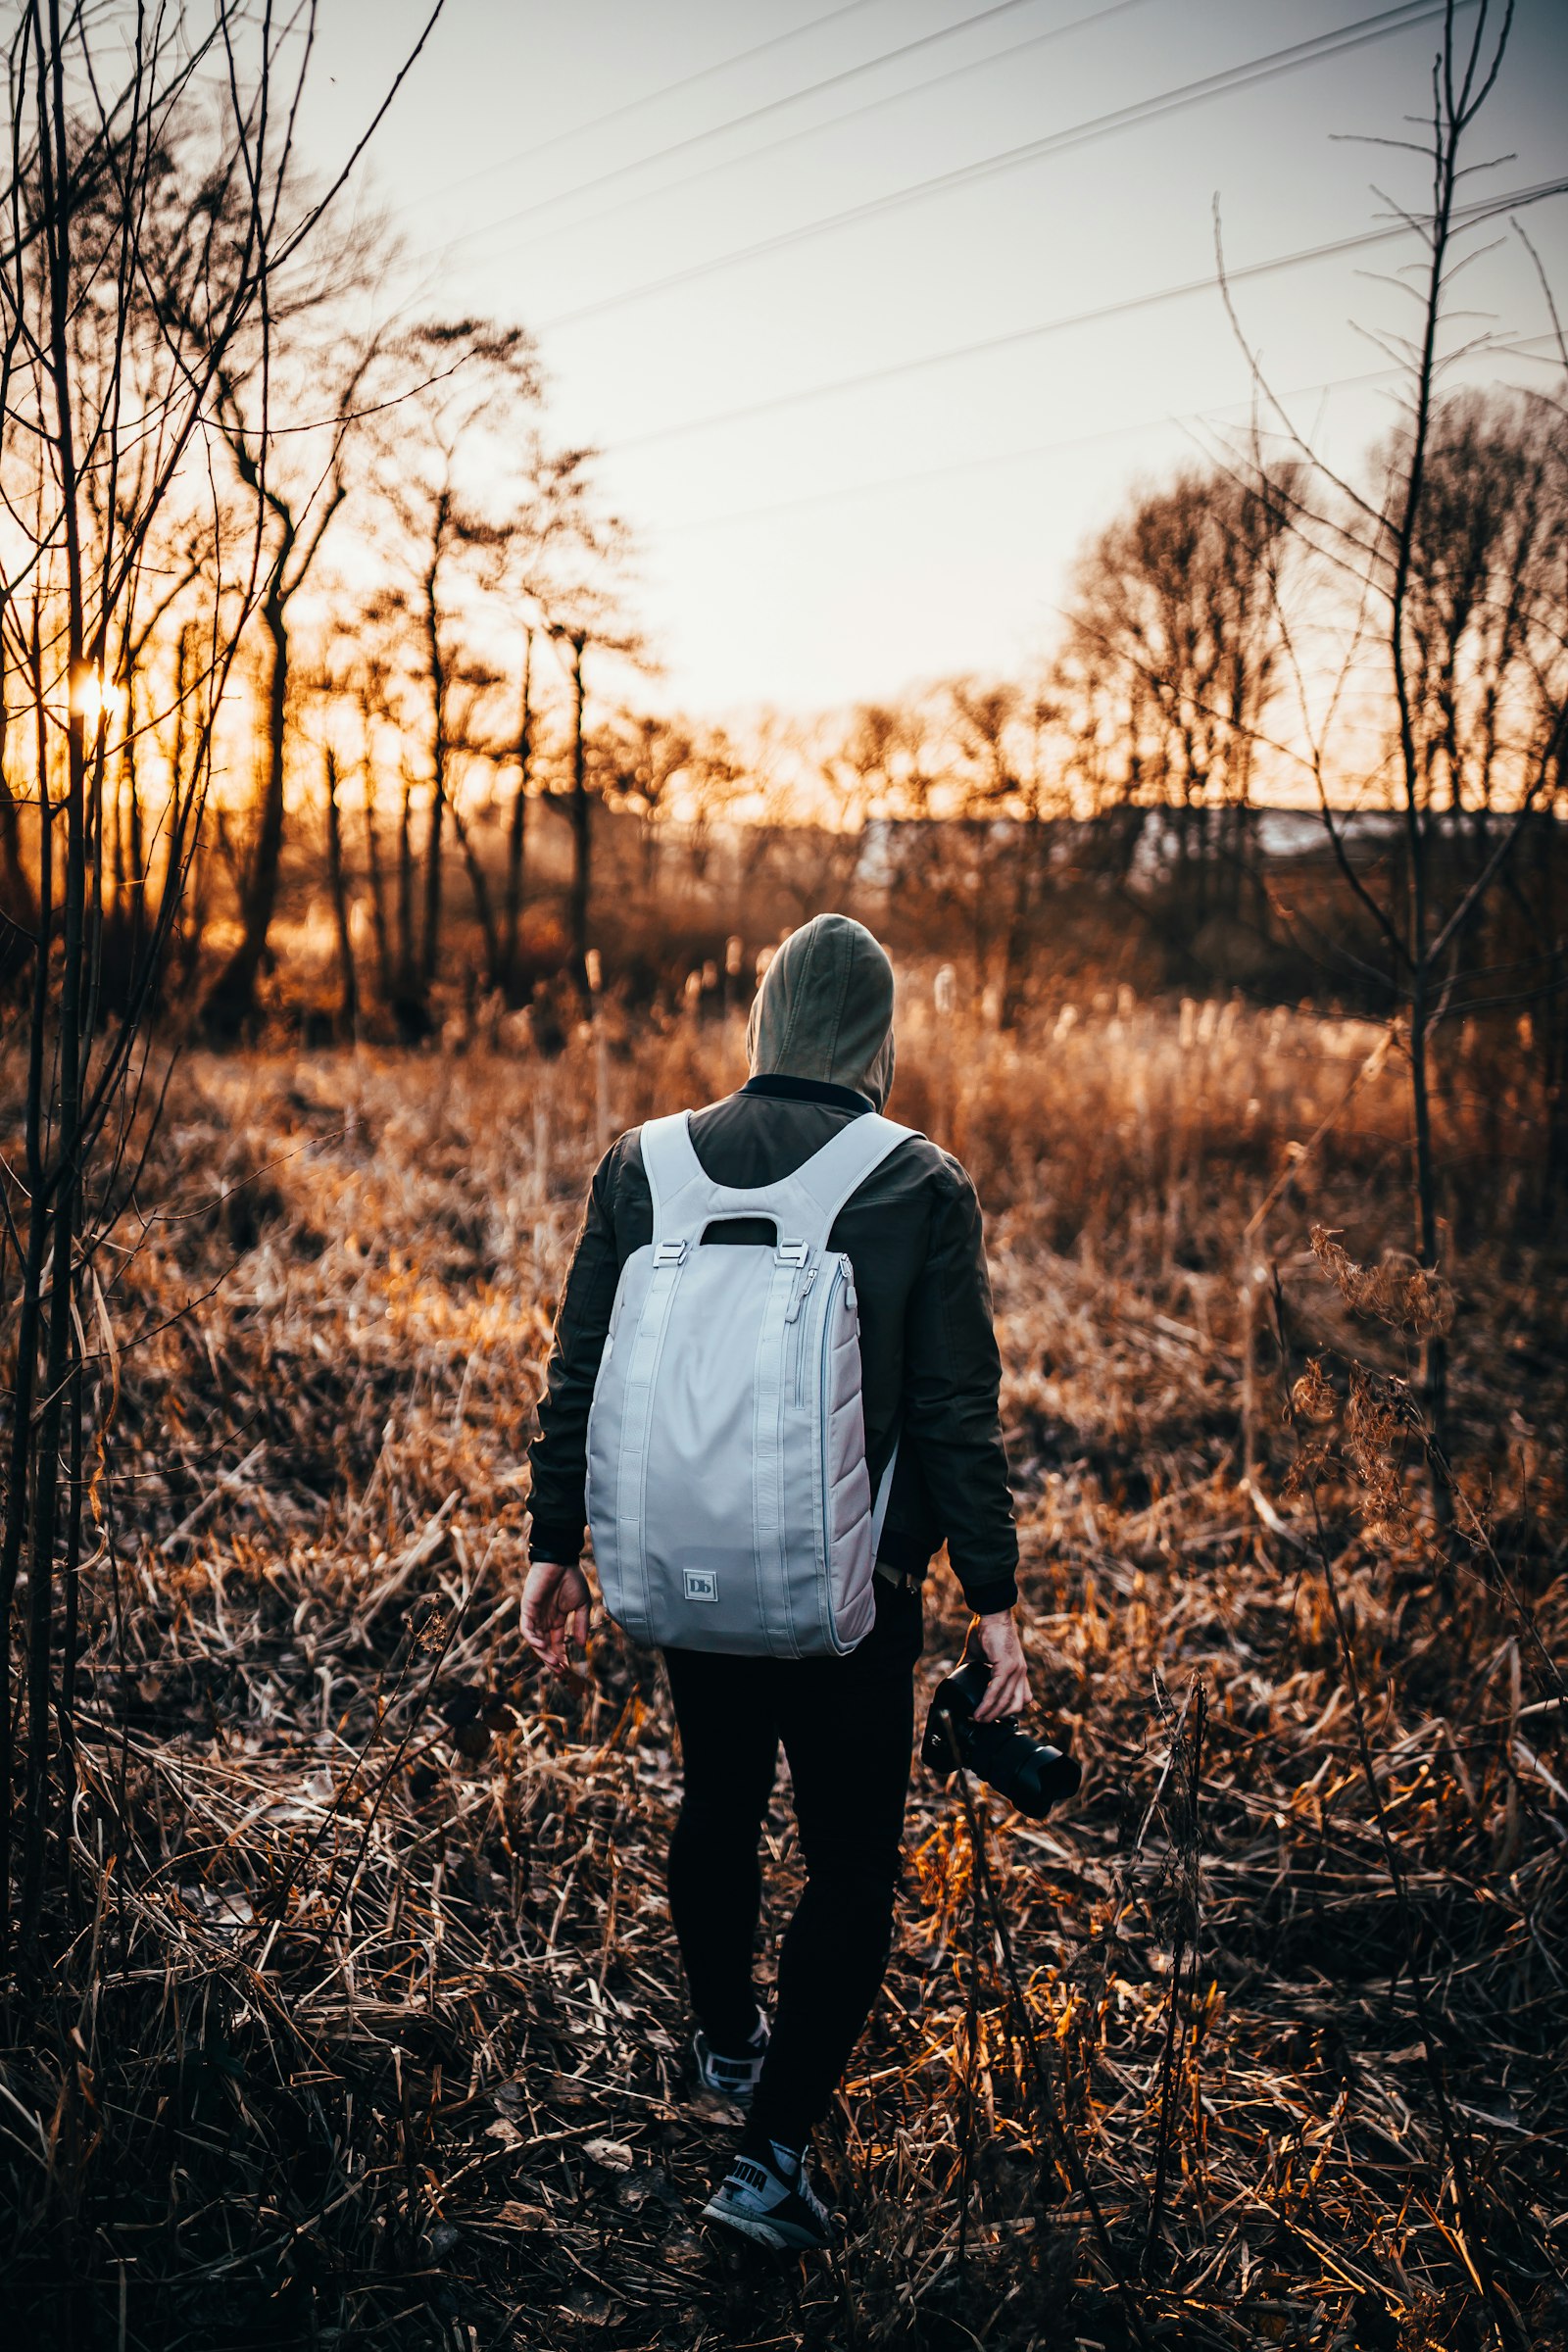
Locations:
column 370, row 2032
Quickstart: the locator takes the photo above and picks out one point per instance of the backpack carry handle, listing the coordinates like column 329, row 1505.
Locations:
column 687, row 1199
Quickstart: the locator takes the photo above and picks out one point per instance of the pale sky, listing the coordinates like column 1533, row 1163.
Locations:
column 838, row 547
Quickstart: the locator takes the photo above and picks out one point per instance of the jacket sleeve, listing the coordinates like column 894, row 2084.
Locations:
column 952, row 1409
column 557, row 1459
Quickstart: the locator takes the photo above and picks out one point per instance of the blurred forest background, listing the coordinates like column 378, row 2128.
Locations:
column 356, row 887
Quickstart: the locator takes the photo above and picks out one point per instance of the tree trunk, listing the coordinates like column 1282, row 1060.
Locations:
column 136, row 853
column 118, row 892
column 483, row 904
column 581, row 827
column 62, row 1361
column 1434, row 1360
column 1029, row 853
column 230, row 1005
column 410, row 1002
column 17, row 899
column 407, row 981
column 433, row 844
column 195, row 905
column 372, row 867
column 29, row 1314
column 518, row 832
column 1549, row 1018
column 340, row 903
column 17, row 896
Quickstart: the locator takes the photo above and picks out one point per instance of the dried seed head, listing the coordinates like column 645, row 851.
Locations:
column 1313, row 1396
column 1409, row 1297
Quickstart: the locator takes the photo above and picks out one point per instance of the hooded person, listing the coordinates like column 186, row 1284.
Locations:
column 820, row 1046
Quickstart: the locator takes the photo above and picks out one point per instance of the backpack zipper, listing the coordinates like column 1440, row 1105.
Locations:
column 844, row 1276
column 794, row 1313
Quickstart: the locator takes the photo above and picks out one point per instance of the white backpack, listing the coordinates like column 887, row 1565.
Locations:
column 728, row 1493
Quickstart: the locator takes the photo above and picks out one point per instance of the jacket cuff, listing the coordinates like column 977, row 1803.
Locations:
column 554, row 1540
column 989, row 1599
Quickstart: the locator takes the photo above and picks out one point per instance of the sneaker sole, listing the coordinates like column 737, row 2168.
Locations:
column 779, row 2237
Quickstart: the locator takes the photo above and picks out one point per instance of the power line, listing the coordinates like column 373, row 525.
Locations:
column 1530, row 346
column 632, row 106
column 1465, row 216
column 811, row 131
column 1347, row 39
column 812, row 89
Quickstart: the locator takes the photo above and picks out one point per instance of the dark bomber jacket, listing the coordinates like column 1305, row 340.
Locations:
column 929, row 1365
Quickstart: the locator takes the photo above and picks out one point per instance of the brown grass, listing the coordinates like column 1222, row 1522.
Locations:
column 371, row 2028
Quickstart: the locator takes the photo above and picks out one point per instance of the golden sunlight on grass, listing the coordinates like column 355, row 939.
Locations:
column 378, row 1872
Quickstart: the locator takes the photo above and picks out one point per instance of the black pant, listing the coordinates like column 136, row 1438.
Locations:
column 847, row 1726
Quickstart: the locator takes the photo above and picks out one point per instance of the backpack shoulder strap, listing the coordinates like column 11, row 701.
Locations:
column 671, row 1165
column 845, row 1163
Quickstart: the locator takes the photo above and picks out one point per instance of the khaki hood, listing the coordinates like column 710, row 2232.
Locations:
column 825, row 1009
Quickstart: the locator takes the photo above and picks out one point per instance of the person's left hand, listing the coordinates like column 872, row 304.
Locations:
column 555, row 1607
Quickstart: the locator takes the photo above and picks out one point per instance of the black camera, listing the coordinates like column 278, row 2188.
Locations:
column 1029, row 1772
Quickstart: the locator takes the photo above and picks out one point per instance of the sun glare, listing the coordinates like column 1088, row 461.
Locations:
column 95, row 698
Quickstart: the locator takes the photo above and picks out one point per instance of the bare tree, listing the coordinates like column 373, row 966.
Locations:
column 1169, row 666
column 646, row 763
column 717, row 777
column 295, row 510
column 1488, row 560
column 585, row 619
column 819, row 791
column 486, row 518
column 367, row 687
column 1008, row 798
column 147, row 625
column 1441, row 586
column 968, row 790
column 1489, row 667
column 146, row 211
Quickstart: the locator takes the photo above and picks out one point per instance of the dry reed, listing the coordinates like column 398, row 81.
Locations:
column 368, row 2028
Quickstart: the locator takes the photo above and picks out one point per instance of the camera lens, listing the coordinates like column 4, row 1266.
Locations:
column 1030, row 1773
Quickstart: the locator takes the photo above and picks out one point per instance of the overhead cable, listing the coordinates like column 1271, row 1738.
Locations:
column 814, row 89
column 1464, row 216
column 634, row 106
column 812, row 130
column 1366, row 30
column 1530, row 346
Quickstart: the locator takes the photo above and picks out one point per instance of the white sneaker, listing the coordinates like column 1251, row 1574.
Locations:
column 771, row 2200
column 733, row 2078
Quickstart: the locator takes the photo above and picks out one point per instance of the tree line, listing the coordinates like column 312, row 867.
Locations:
column 373, row 629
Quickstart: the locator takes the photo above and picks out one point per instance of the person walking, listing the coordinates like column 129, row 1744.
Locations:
column 821, row 1045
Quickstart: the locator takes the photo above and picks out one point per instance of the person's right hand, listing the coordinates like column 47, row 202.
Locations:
column 1007, row 1692
column 555, row 1604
